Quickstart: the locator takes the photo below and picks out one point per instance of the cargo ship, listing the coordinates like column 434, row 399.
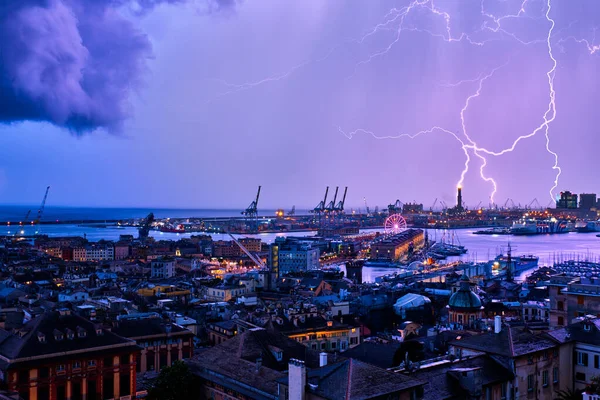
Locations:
column 536, row 227
column 170, row 229
column 519, row 263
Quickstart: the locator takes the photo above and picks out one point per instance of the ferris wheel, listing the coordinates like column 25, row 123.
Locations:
column 394, row 224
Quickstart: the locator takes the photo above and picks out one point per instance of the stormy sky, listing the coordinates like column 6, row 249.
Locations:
column 195, row 103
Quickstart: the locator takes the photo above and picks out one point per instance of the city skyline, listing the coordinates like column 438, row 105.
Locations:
column 221, row 97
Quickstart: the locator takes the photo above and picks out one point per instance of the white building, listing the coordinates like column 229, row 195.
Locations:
column 100, row 252
column 163, row 268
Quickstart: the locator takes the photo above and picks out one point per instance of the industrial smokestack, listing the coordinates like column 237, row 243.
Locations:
column 497, row 324
column 459, row 202
column 322, row 359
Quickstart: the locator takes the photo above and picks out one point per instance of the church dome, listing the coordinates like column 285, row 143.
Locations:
column 464, row 299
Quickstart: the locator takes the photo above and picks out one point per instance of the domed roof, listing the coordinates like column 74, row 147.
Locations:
column 464, row 299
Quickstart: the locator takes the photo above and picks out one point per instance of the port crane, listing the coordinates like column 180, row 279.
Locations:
column 339, row 208
column 322, row 204
column 331, row 206
column 367, row 206
column 434, row 204
column 253, row 257
column 536, row 202
column 395, row 208
column 252, row 210
column 144, row 229
column 26, row 218
column 40, row 212
column 292, row 212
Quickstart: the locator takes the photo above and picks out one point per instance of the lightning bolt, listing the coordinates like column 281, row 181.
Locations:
column 394, row 21
column 471, row 145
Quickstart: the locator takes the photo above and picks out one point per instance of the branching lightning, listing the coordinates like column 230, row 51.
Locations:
column 394, row 21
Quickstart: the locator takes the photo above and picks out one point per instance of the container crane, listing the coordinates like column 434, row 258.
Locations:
column 292, row 212
column 367, row 206
column 340, row 205
column 144, row 229
column 331, row 206
column 40, row 212
column 434, row 204
column 321, row 206
column 395, row 208
column 253, row 257
column 252, row 210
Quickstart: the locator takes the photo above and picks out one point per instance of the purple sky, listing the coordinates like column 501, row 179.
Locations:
column 220, row 98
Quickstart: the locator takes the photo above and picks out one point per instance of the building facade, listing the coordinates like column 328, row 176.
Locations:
column 392, row 248
column 58, row 355
column 163, row 268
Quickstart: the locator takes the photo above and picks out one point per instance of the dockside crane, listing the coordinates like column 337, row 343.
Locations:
column 26, row 218
column 252, row 210
column 535, row 201
column 395, row 208
column 331, row 206
column 40, row 212
column 434, row 204
column 339, row 208
column 292, row 212
column 144, row 229
column 367, row 206
column 321, row 206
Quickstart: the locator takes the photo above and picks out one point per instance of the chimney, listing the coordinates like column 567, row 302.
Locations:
column 297, row 379
column 322, row 359
column 497, row 324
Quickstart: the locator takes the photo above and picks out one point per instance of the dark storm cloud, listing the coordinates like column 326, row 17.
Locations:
column 73, row 63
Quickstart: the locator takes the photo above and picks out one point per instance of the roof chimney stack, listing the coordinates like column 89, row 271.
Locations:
column 497, row 324
column 322, row 359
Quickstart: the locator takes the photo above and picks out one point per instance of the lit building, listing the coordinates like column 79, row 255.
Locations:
column 162, row 268
column 59, row 355
column 225, row 292
column 122, row 250
column 99, row 252
column 162, row 343
column 572, row 297
column 464, row 307
column 293, row 256
column 539, row 364
column 251, row 244
column 393, row 247
column 79, row 254
column 567, row 200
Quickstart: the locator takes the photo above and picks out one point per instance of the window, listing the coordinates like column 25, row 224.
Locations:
column 76, row 365
column 23, row 376
column 545, row 378
column 108, row 362
column 555, row 375
column 44, row 372
column 596, row 361
column 530, row 383
column 555, row 352
column 560, row 305
column 91, row 363
column 60, row 368
column 582, row 358
column 580, row 300
column 587, row 327
column 561, row 321
column 503, row 391
column 580, row 376
column 333, row 345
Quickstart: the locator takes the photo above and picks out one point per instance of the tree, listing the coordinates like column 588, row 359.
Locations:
column 568, row 395
column 174, row 383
